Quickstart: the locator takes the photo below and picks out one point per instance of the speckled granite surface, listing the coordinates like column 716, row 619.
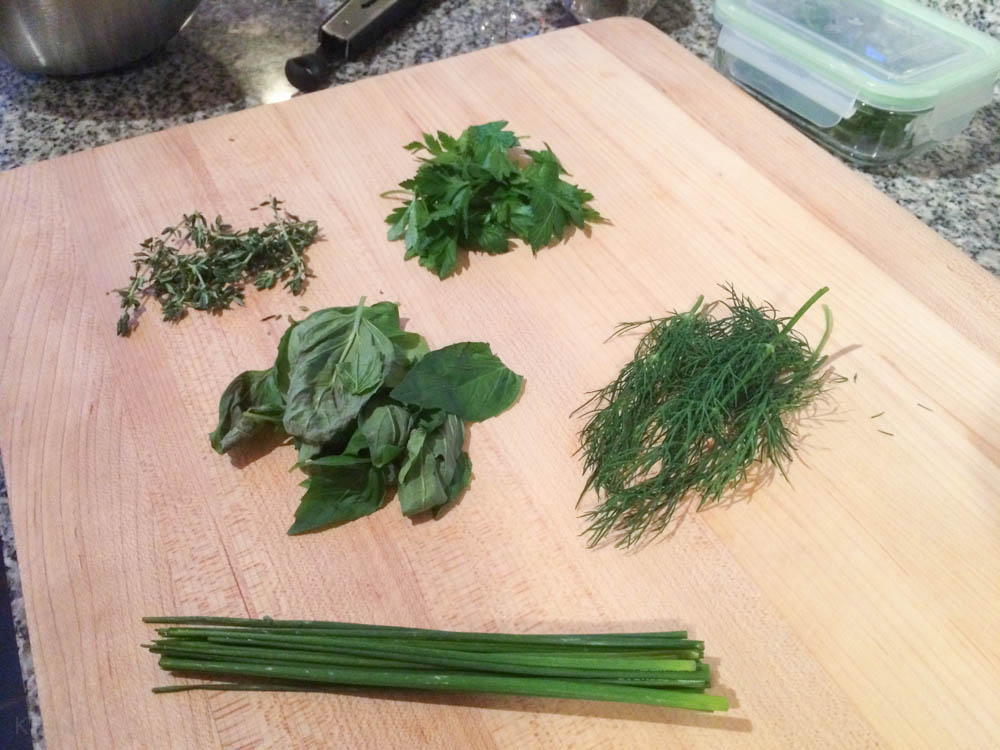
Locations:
column 231, row 56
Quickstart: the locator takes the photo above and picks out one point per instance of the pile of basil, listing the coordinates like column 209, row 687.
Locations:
column 368, row 406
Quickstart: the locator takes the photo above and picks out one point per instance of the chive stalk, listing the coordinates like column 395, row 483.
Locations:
column 658, row 669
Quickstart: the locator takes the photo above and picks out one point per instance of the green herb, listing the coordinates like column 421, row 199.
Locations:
column 876, row 416
column 213, row 274
column 659, row 669
column 924, row 407
column 487, row 386
column 874, row 136
column 887, row 433
column 870, row 137
column 474, row 193
column 704, row 400
column 367, row 406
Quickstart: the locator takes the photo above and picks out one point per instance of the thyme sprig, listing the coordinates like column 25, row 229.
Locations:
column 206, row 265
column 704, row 399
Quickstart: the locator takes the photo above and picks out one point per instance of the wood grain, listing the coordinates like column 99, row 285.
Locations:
column 853, row 607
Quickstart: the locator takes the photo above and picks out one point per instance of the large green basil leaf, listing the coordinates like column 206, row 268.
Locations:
column 250, row 404
column 337, row 495
column 465, row 379
column 333, row 377
column 305, row 335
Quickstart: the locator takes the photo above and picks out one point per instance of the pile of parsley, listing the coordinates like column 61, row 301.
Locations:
column 367, row 406
column 475, row 192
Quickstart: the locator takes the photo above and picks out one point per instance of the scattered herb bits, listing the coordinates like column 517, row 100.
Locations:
column 206, row 265
column 474, row 192
column 368, row 406
column 705, row 398
column 659, row 669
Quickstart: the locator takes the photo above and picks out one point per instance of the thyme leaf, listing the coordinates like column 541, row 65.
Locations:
column 206, row 265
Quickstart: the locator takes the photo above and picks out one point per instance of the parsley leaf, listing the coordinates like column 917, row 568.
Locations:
column 473, row 193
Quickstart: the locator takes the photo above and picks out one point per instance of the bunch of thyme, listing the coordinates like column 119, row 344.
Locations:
column 206, row 265
column 704, row 399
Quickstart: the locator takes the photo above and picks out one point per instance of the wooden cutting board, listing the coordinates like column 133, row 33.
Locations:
column 855, row 606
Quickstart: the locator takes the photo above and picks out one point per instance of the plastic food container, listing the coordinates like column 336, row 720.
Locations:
column 872, row 80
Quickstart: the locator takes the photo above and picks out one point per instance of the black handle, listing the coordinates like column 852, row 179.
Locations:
column 350, row 29
column 309, row 72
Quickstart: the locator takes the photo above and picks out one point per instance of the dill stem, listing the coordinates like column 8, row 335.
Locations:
column 802, row 310
column 827, row 330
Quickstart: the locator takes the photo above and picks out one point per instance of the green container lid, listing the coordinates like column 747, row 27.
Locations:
column 895, row 55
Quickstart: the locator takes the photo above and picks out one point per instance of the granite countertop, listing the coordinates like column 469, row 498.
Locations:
column 231, row 56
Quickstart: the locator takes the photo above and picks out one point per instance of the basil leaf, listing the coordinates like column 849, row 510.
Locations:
column 250, row 404
column 334, row 377
column 386, row 430
column 466, row 379
column 460, row 480
column 384, row 316
column 306, row 451
column 282, row 365
column 357, row 445
column 305, row 335
column 420, row 488
column 432, row 462
column 338, row 495
column 409, row 348
column 327, row 464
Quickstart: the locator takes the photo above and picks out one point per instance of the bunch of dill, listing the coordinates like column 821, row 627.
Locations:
column 704, row 399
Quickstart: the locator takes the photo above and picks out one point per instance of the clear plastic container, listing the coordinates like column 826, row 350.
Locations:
column 872, row 80
column 585, row 11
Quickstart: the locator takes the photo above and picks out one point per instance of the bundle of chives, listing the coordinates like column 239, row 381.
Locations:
column 658, row 669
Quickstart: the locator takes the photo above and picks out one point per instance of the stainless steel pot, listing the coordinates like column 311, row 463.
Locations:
column 71, row 37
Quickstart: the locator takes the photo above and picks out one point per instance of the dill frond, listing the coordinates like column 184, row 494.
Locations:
column 704, row 400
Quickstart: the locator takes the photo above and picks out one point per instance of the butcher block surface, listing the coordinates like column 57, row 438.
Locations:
column 855, row 605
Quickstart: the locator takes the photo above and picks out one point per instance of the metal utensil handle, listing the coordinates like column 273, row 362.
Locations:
column 347, row 32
